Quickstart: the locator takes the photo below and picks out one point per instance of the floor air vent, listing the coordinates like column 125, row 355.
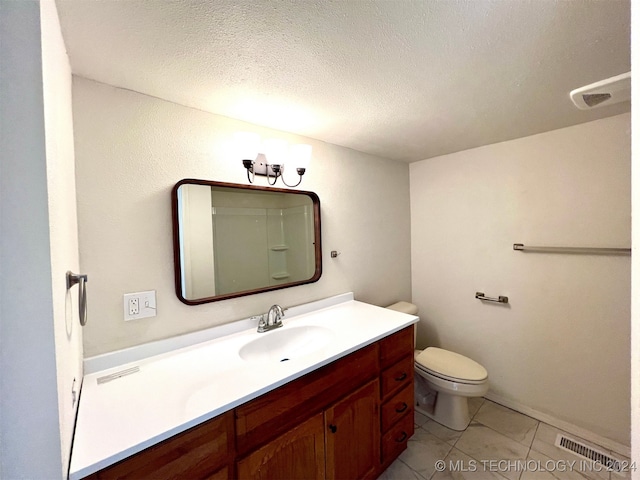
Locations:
column 584, row 451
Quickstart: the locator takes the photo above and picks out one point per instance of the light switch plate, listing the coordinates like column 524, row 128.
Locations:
column 139, row 305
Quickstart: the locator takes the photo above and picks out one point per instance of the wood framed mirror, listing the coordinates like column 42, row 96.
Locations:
column 231, row 240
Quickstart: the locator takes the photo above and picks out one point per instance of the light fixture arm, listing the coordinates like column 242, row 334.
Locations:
column 300, row 173
column 248, row 164
column 277, row 170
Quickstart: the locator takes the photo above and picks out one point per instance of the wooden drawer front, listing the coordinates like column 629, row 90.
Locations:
column 197, row 453
column 395, row 440
column 279, row 410
column 397, row 376
column 396, row 346
column 397, row 407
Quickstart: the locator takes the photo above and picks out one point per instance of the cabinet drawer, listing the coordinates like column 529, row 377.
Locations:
column 395, row 440
column 197, row 453
column 398, row 406
column 397, row 376
column 396, row 346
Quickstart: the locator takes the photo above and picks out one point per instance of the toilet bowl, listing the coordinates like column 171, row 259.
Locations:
column 454, row 378
column 451, row 377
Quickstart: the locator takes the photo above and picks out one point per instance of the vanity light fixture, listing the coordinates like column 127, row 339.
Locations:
column 255, row 156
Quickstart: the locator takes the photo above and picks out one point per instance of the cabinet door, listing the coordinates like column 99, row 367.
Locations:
column 298, row 454
column 353, row 435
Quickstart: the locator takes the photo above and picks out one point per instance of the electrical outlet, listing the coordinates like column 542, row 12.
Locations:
column 134, row 306
column 139, row 305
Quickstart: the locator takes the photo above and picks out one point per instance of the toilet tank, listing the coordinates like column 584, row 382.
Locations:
column 404, row 307
column 411, row 309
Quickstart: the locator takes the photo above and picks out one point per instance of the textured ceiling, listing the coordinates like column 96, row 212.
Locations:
column 402, row 79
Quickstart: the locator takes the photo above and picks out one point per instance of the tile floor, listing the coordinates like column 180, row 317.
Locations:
column 498, row 444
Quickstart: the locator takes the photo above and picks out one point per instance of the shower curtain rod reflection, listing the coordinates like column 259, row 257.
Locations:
column 583, row 250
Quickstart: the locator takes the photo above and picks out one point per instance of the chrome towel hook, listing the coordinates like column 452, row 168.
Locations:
column 81, row 280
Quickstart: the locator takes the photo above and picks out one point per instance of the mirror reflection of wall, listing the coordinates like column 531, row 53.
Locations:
column 233, row 240
column 196, row 241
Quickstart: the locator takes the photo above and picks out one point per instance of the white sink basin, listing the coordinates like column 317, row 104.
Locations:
column 287, row 343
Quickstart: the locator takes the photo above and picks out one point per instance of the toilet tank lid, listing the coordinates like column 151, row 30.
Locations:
column 404, row 307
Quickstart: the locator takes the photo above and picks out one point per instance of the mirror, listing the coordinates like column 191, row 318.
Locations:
column 231, row 240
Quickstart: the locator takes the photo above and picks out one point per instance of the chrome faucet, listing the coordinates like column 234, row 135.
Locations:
column 271, row 320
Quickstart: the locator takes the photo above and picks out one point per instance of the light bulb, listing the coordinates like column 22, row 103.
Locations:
column 247, row 145
column 300, row 155
column 276, row 151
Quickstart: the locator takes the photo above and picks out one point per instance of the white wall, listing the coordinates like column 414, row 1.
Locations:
column 561, row 347
column 38, row 359
column 635, row 261
column 63, row 223
column 130, row 151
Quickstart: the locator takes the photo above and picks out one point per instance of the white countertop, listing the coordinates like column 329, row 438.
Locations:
column 180, row 389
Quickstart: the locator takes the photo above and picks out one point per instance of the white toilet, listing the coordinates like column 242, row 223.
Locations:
column 451, row 376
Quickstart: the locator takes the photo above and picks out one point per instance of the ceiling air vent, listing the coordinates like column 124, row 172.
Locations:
column 605, row 92
column 580, row 449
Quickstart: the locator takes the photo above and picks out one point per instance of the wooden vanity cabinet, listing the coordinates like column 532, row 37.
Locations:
column 344, row 394
column 342, row 442
column 202, row 452
column 367, row 402
column 278, row 411
column 349, row 419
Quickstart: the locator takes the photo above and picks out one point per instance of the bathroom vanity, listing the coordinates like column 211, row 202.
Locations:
column 343, row 409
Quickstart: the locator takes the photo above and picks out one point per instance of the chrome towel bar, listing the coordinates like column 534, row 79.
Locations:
column 500, row 299
column 585, row 250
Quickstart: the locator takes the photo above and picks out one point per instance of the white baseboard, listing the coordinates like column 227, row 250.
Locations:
column 604, row 442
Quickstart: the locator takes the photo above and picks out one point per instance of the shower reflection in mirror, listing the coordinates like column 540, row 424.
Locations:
column 235, row 240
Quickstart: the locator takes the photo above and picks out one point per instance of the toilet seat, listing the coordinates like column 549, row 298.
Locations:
column 450, row 366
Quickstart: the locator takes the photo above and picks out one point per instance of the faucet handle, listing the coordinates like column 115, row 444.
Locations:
column 271, row 319
column 262, row 323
